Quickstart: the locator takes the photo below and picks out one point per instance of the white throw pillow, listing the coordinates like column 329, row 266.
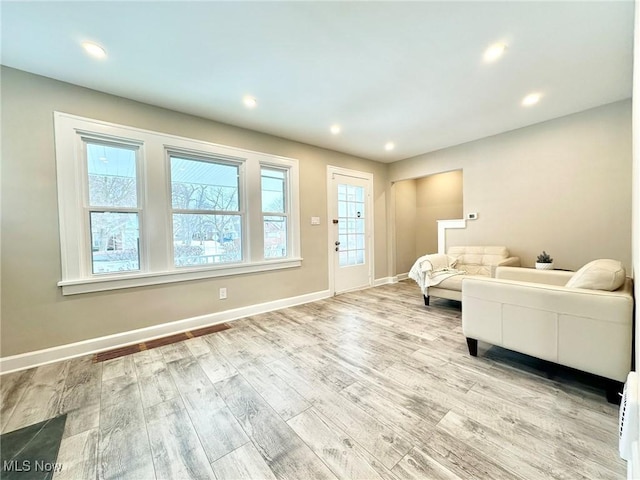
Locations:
column 603, row 274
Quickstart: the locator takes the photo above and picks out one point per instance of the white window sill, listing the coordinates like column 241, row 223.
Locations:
column 102, row 283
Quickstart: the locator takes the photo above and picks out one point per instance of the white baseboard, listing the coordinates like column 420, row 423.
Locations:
column 402, row 276
column 86, row 347
column 384, row 281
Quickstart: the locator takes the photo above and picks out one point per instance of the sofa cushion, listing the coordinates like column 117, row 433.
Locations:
column 478, row 260
column 451, row 283
column 602, row 274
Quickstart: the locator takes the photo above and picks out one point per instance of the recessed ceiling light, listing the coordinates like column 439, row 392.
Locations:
column 335, row 129
column 389, row 146
column 250, row 102
column 494, row 52
column 94, row 49
column 531, row 99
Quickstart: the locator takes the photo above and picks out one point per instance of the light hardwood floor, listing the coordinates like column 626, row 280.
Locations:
column 366, row 385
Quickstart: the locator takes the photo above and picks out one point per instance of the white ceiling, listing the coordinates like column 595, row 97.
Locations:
column 407, row 72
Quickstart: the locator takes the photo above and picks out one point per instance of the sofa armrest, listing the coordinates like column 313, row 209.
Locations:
column 549, row 277
column 507, row 262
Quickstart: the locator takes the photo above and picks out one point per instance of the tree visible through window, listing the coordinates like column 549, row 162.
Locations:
column 207, row 222
column 113, row 208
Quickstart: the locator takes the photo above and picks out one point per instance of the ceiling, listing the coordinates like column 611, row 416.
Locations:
column 407, row 72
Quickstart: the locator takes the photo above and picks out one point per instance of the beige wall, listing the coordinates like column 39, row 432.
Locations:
column 438, row 197
column 405, row 225
column 563, row 186
column 34, row 313
column 419, row 204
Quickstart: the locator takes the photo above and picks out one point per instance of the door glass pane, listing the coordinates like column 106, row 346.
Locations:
column 351, row 225
column 112, row 176
column 342, row 192
column 204, row 185
column 202, row 239
column 275, row 237
column 114, row 242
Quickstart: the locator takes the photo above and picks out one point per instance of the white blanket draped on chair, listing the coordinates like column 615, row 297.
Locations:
column 430, row 270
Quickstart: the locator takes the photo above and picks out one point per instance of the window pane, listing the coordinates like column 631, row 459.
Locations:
column 202, row 185
column 206, row 239
column 275, row 237
column 273, row 190
column 112, row 176
column 114, row 242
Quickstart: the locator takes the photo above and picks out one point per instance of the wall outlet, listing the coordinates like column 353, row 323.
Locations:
column 223, row 293
column 315, row 220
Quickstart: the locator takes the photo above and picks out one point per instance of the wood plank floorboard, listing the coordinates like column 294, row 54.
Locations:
column 12, row 387
column 218, row 429
column 81, row 396
column 78, row 455
column 285, row 453
column 177, row 451
column 41, row 398
column 244, row 463
column 365, row 385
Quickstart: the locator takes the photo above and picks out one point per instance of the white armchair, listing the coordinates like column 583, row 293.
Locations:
column 533, row 312
column 473, row 261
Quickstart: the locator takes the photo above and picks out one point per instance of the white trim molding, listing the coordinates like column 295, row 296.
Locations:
column 384, row 281
column 100, row 284
column 94, row 345
column 443, row 225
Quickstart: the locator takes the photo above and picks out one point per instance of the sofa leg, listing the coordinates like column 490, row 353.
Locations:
column 426, row 300
column 472, row 343
column 614, row 389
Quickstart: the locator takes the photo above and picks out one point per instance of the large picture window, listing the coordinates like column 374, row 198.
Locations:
column 207, row 220
column 140, row 208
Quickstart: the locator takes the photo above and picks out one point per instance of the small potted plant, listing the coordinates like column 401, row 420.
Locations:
column 544, row 261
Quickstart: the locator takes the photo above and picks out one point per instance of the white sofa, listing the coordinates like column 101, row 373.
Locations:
column 474, row 261
column 533, row 312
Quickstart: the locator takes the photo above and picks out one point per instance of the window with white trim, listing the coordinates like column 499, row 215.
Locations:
column 140, row 208
column 111, row 205
column 275, row 211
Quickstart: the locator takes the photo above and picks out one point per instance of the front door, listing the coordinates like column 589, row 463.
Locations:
column 351, row 223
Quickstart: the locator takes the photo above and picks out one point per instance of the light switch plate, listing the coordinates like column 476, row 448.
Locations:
column 315, row 220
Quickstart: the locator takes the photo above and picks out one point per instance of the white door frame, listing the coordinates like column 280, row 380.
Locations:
column 332, row 205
